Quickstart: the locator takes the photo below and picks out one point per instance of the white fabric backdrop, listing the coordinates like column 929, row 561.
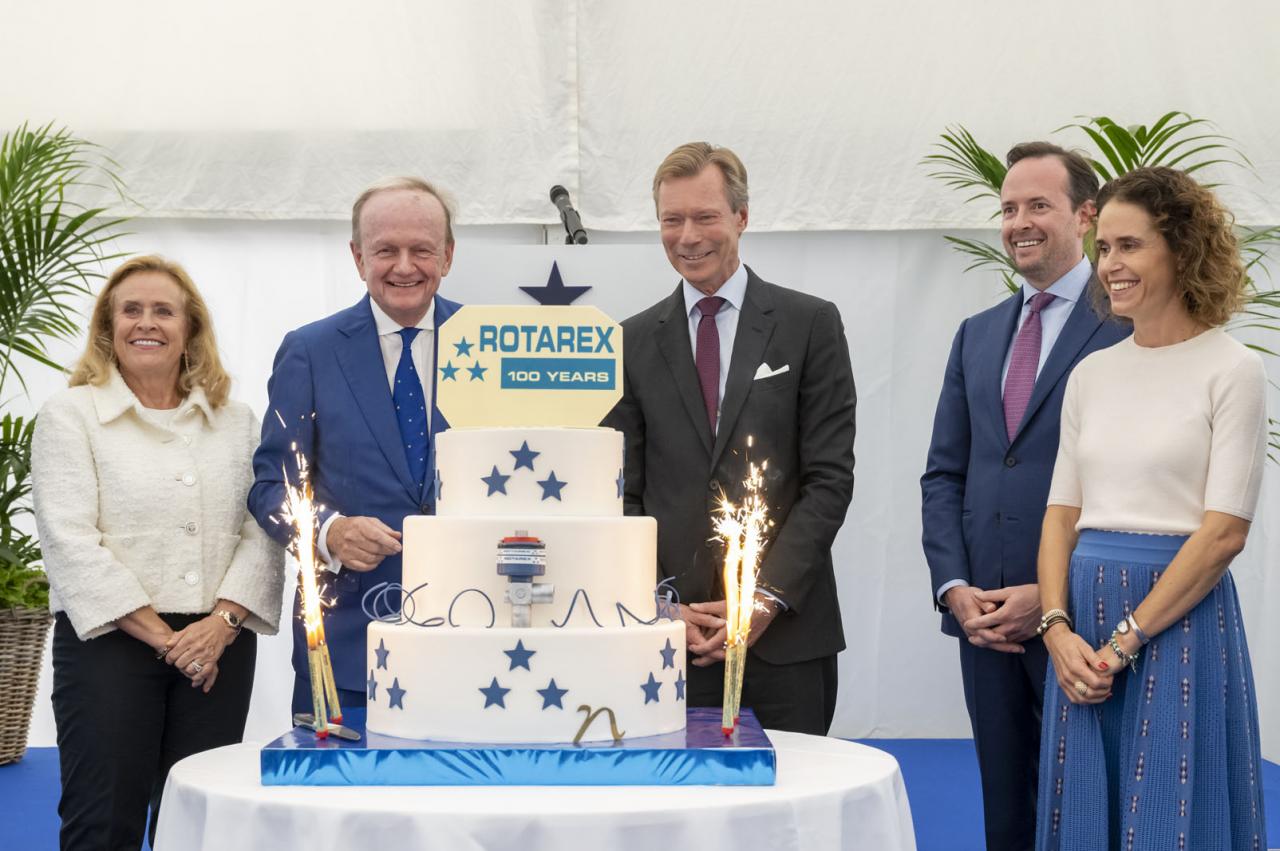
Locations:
column 286, row 109
column 901, row 295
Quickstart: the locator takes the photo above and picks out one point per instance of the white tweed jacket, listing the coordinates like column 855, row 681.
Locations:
column 132, row 514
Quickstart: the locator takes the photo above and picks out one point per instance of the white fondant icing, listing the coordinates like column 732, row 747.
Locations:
column 446, row 676
column 478, row 475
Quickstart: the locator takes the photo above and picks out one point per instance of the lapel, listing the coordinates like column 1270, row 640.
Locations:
column 673, row 342
column 443, row 310
column 997, row 347
column 755, row 327
column 360, row 358
column 1081, row 325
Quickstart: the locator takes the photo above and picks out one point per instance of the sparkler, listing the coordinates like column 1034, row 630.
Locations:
column 300, row 510
column 742, row 528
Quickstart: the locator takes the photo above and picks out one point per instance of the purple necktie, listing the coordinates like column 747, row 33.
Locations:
column 1023, row 364
column 706, row 356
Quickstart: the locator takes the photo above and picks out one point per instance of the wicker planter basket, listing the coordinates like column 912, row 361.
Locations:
column 22, row 636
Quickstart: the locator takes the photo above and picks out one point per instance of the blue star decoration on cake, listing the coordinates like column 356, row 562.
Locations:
column 495, row 695
column 382, row 653
column 551, row 695
column 651, row 689
column 496, row 481
column 519, row 656
column 551, row 486
column 668, row 654
column 477, row 372
column 395, row 694
column 464, row 348
column 449, row 372
column 372, row 685
column 524, row 456
column 555, row 292
column 680, row 681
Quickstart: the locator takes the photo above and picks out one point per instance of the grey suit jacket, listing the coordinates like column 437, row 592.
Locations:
column 801, row 420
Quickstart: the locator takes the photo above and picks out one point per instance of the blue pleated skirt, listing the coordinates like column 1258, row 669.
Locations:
column 1171, row 761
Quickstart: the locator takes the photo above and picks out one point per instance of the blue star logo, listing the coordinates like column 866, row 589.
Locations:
column 464, row 348
column 382, row 653
column 552, row 487
column 651, row 689
column 477, row 372
column 494, row 695
column 496, row 481
column 555, row 292
column 668, row 654
column 396, row 694
column 621, row 482
column 524, row 456
column 551, row 695
column 680, row 681
column 450, row 372
column 519, row 656
column 372, row 685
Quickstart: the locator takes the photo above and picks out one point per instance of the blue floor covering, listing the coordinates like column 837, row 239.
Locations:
column 941, row 777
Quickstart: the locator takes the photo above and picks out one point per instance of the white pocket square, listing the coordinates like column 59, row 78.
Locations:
column 765, row 372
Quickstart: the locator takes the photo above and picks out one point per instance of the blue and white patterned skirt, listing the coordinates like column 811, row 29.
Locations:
column 1171, row 760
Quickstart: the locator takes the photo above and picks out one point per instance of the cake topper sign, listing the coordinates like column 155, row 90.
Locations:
column 528, row 366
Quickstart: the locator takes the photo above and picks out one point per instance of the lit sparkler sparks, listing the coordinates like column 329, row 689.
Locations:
column 299, row 510
column 742, row 527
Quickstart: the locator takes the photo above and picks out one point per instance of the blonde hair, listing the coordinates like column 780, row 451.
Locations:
column 691, row 158
column 412, row 184
column 201, row 366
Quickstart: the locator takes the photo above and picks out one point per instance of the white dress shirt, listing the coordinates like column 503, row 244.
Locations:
column 422, row 350
column 733, row 291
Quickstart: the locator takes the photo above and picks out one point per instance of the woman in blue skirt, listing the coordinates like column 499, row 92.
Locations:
column 1150, row 728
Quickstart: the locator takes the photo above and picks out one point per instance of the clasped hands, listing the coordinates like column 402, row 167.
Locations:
column 1077, row 664
column 706, row 630
column 196, row 649
column 999, row 619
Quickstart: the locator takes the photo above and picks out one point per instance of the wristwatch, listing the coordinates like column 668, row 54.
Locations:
column 230, row 618
column 1130, row 626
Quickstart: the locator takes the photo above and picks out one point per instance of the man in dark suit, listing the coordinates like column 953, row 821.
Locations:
column 354, row 393
column 724, row 358
column 995, row 438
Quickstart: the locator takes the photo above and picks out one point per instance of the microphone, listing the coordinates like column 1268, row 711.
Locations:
column 574, row 234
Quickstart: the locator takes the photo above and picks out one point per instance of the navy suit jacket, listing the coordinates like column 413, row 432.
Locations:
column 328, row 396
column 983, row 496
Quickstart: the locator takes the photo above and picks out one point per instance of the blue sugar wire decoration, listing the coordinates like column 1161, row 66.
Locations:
column 667, row 598
column 377, row 606
column 586, row 599
column 493, row 613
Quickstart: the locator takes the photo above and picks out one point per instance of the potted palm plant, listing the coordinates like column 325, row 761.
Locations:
column 51, row 250
column 1176, row 140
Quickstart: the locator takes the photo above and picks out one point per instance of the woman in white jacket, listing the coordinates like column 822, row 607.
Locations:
column 140, row 470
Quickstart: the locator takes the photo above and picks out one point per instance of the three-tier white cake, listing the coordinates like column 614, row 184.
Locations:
column 529, row 529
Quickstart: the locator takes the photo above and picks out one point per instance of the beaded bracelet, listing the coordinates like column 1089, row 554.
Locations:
column 1125, row 658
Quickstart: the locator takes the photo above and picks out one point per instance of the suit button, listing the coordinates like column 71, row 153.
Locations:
column 191, row 578
column 713, row 486
column 191, row 528
column 1011, row 461
column 426, row 509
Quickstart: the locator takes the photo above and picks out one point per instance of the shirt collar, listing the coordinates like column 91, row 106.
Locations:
column 386, row 325
column 113, row 398
column 1067, row 288
column 733, row 290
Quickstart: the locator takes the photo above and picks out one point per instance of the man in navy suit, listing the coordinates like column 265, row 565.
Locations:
column 995, row 439
column 354, row 393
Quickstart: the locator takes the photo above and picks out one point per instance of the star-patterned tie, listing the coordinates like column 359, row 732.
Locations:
column 706, row 356
column 411, row 409
column 1023, row 365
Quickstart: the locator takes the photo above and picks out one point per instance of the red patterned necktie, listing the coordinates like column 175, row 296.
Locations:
column 1023, row 363
column 707, row 356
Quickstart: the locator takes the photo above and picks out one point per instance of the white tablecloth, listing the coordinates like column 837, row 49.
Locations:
column 830, row 794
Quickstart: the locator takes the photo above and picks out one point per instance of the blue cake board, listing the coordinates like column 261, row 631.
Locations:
column 700, row 755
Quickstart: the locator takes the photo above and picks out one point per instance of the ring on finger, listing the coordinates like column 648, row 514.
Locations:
column 1081, row 688
column 196, row 667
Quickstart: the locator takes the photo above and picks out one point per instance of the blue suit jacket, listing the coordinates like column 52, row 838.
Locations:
column 328, row 395
column 984, row 497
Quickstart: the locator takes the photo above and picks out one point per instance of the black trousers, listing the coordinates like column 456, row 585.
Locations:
column 124, row 718
column 1005, row 696
column 799, row 697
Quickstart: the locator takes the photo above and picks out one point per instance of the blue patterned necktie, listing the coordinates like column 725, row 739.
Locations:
column 411, row 409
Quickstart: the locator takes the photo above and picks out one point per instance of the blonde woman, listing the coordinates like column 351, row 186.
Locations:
column 159, row 578
column 1150, row 736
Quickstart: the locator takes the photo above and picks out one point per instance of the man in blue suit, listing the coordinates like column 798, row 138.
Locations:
column 995, row 439
column 354, row 394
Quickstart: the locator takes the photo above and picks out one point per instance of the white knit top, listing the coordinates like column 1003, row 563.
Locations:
column 1152, row 438
column 136, row 508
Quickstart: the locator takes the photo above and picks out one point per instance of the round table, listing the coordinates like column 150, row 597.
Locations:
column 830, row 794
